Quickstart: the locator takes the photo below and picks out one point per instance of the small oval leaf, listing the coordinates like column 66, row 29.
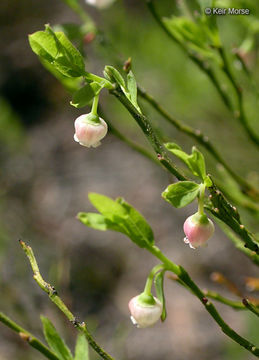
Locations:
column 181, row 194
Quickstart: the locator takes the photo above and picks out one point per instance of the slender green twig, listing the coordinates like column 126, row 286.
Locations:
column 221, row 208
column 144, row 124
column 28, row 337
column 213, row 295
column 202, row 65
column 123, row 138
column 240, row 58
column 251, row 307
column 52, row 293
column 216, row 296
column 185, row 278
column 227, row 213
column 241, row 113
column 237, row 242
column 196, row 134
column 207, row 70
column 202, row 139
column 234, row 304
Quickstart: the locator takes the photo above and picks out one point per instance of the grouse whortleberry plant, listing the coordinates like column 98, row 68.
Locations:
column 56, row 49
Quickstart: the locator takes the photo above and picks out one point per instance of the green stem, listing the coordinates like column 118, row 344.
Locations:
column 204, row 67
column 237, row 242
column 241, row 113
column 94, row 109
column 201, row 199
column 222, row 209
column 185, row 278
column 247, row 72
column 227, row 213
column 214, row 295
column 28, row 337
column 150, row 278
column 234, row 304
column 201, row 139
column 207, row 70
column 52, row 293
column 251, row 307
column 127, row 141
column 146, row 127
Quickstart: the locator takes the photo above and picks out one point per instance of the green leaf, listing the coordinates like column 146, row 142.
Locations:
column 81, row 350
column 69, row 83
column 159, row 285
column 195, row 161
column 44, row 45
column 137, row 223
column 69, row 60
column 98, row 222
column 114, row 75
column 84, row 95
column 59, row 51
column 195, row 37
column 106, row 206
column 181, row 194
column 118, row 216
column 132, row 90
column 207, row 181
column 132, row 87
column 171, row 146
column 55, row 341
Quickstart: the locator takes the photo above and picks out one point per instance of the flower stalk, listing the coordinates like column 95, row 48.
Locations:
column 188, row 282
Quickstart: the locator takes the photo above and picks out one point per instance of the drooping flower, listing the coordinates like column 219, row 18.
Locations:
column 198, row 229
column 89, row 130
column 101, row 4
column 145, row 313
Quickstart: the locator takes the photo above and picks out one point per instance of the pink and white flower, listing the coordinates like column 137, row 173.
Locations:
column 89, row 130
column 101, row 4
column 198, row 229
column 143, row 314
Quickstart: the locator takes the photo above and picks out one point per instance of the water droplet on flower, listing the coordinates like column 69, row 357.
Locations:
column 186, row 240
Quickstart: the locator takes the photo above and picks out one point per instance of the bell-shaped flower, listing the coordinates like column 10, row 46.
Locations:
column 198, row 229
column 101, row 4
column 89, row 130
column 145, row 311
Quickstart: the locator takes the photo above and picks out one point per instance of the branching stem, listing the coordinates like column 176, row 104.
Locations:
column 209, row 72
column 241, row 113
column 201, row 139
column 185, row 278
column 28, row 337
column 52, row 293
column 219, row 206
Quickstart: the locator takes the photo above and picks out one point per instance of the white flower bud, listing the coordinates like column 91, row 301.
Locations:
column 101, row 4
column 89, row 130
column 143, row 314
